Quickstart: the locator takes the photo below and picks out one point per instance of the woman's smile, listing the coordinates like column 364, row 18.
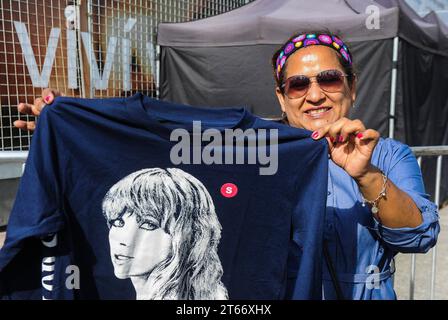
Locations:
column 318, row 112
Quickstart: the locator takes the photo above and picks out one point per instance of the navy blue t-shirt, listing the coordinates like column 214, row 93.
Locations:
column 135, row 198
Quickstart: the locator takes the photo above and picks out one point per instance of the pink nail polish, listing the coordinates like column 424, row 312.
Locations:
column 332, row 139
column 341, row 139
column 47, row 98
column 315, row 134
column 359, row 135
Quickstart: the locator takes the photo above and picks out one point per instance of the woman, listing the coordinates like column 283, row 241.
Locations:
column 151, row 214
column 316, row 87
column 376, row 205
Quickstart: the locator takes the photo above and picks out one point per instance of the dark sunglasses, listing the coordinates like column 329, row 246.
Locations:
column 329, row 80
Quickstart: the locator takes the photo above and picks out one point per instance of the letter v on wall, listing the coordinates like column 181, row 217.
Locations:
column 39, row 79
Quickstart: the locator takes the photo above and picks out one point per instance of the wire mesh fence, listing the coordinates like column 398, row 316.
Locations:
column 95, row 48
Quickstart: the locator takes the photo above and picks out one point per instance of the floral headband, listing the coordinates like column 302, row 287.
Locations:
column 306, row 40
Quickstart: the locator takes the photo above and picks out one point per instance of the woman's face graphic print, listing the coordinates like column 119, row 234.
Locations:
column 164, row 234
column 137, row 247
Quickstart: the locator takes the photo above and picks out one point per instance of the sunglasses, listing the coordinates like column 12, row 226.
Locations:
column 329, row 80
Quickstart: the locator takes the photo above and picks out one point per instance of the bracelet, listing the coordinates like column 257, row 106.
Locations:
column 374, row 203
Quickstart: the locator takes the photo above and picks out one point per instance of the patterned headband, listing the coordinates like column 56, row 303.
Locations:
column 306, row 40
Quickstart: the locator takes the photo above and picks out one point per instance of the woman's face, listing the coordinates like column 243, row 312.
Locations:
column 136, row 248
column 310, row 61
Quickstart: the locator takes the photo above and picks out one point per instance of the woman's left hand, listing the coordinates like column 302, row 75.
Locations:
column 351, row 145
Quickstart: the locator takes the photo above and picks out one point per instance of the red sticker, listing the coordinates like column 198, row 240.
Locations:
column 229, row 190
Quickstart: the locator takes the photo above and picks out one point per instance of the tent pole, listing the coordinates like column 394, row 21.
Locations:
column 157, row 71
column 393, row 88
column 393, row 84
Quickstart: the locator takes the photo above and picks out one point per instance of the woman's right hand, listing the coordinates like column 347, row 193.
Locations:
column 34, row 109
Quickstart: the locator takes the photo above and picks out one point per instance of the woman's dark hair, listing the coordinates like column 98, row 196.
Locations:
column 349, row 69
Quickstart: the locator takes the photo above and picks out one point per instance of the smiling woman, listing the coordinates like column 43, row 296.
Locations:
column 308, row 103
column 316, row 87
column 164, row 235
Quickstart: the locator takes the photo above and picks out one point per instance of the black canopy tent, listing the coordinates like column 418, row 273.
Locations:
column 225, row 60
column 428, row 33
column 423, row 86
column 423, row 75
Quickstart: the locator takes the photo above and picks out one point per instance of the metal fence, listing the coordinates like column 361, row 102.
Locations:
column 94, row 48
column 439, row 152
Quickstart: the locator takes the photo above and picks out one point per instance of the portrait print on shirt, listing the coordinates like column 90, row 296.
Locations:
column 164, row 234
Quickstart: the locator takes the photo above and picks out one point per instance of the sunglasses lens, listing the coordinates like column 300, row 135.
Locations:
column 297, row 86
column 330, row 80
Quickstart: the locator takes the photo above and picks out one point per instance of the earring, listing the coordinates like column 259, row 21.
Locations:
column 284, row 118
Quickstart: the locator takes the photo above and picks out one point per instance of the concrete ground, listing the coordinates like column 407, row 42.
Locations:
column 423, row 268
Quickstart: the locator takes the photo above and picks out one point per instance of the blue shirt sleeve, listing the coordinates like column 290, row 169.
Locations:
column 404, row 172
column 36, row 213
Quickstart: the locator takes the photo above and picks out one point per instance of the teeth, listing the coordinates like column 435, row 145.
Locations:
column 317, row 111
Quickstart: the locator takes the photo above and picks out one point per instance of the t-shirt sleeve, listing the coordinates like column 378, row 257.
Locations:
column 404, row 172
column 36, row 211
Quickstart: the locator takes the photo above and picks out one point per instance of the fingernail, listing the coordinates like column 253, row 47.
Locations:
column 341, row 139
column 47, row 98
column 315, row 134
column 359, row 135
column 332, row 139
